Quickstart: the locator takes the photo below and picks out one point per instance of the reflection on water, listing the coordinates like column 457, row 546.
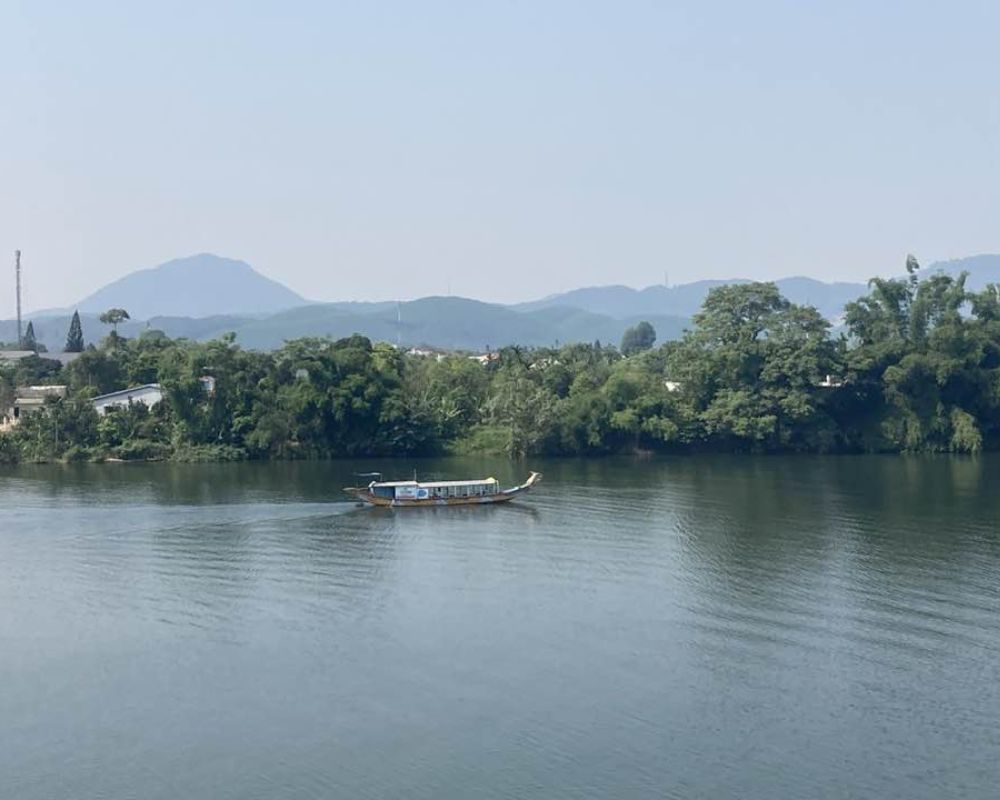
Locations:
column 699, row 627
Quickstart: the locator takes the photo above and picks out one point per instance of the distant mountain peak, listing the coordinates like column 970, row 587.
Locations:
column 200, row 285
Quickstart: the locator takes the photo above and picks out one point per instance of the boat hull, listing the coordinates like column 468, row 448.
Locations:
column 367, row 497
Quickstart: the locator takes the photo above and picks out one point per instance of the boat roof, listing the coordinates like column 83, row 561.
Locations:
column 437, row 484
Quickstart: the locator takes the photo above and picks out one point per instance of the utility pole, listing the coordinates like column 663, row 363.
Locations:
column 17, row 270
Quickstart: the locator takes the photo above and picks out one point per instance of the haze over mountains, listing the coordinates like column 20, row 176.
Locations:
column 205, row 296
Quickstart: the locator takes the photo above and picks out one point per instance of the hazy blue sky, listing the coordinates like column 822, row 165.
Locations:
column 507, row 150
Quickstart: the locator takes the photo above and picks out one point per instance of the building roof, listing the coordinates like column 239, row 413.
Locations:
column 62, row 358
column 29, row 402
column 10, row 356
column 126, row 393
column 15, row 355
column 41, row 392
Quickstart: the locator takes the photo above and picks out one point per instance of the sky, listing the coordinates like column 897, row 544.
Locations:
column 496, row 150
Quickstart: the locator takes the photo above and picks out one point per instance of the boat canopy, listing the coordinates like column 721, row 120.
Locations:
column 436, row 484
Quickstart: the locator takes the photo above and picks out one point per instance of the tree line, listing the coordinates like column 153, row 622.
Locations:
column 915, row 366
column 74, row 336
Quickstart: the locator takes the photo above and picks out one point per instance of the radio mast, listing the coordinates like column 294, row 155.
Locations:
column 17, row 271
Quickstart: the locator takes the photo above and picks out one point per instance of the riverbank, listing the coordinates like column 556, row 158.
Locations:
column 755, row 374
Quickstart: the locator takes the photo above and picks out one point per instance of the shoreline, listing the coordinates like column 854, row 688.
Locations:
column 566, row 457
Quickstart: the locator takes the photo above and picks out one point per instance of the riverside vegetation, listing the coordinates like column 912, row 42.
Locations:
column 915, row 367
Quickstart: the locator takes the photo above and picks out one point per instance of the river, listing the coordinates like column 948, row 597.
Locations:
column 702, row 627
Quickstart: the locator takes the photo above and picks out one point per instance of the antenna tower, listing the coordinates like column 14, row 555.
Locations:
column 17, row 271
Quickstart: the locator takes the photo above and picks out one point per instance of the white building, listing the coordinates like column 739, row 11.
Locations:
column 427, row 352
column 28, row 400
column 149, row 395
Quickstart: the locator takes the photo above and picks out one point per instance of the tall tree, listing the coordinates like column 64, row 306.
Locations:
column 28, row 341
column 74, row 339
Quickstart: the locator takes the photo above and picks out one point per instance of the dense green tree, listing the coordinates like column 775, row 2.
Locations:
column 925, row 366
column 7, row 387
column 95, row 372
column 446, row 395
column 36, row 370
column 519, row 406
column 638, row 338
column 751, row 371
column 61, row 427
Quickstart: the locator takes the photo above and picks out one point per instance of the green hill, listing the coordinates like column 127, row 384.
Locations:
column 448, row 322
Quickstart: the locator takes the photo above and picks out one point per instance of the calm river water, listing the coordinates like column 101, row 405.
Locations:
column 690, row 628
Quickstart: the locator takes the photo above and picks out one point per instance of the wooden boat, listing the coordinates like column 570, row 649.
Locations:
column 404, row 494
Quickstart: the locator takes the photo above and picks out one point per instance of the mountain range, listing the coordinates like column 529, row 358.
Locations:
column 685, row 300
column 205, row 296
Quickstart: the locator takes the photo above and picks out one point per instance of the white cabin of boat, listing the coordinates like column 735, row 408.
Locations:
column 433, row 490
